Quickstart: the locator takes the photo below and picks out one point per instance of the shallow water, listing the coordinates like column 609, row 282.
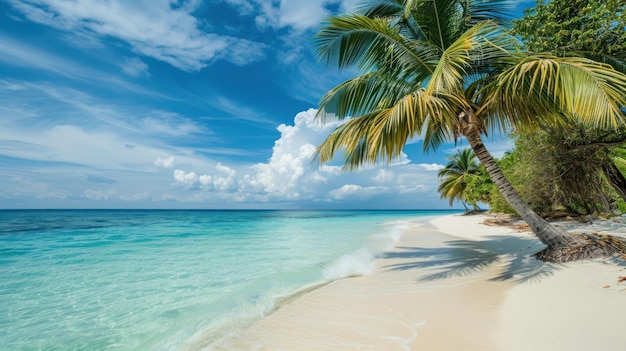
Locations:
column 169, row 280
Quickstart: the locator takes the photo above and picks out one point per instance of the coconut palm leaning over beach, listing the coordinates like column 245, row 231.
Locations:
column 461, row 167
column 446, row 69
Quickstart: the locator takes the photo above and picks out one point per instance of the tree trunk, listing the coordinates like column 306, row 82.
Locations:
column 616, row 179
column 603, row 198
column 547, row 233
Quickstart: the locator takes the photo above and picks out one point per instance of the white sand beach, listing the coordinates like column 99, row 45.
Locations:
column 453, row 283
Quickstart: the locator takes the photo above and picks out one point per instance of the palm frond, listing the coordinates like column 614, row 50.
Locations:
column 362, row 95
column 477, row 51
column 499, row 11
column 543, row 85
column 438, row 20
column 349, row 137
column 381, row 135
column 356, row 40
column 382, row 8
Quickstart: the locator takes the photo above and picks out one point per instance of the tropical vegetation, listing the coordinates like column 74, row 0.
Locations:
column 458, row 177
column 580, row 161
column 448, row 69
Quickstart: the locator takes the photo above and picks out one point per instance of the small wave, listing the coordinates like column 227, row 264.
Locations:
column 362, row 261
column 357, row 263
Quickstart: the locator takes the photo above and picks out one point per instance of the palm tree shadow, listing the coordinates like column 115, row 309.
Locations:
column 467, row 257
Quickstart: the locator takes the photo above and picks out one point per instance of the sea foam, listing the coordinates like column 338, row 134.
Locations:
column 362, row 261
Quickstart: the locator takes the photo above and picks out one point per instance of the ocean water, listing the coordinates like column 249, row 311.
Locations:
column 170, row 280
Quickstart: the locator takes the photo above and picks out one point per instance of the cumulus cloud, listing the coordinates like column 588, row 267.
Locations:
column 290, row 174
column 222, row 181
column 188, row 180
column 156, row 29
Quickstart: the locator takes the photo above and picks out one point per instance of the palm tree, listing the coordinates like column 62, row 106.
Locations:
column 445, row 69
column 456, row 174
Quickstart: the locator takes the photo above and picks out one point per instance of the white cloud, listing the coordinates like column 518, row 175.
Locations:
column 101, row 194
column 383, row 176
column 167, row 162
column 431, row 166
column 188, row 180
column 290, row 174
column 355, row 191
column 80, row 108
column 19, row 54
column 134, row 67
column 71, row 144
column 156, row 29
column 223, row 181
column 298, row 15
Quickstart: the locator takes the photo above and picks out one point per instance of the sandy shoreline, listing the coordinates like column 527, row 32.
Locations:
column 453, row 283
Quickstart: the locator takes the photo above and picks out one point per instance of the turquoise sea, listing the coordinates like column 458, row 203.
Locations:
column 170, row 280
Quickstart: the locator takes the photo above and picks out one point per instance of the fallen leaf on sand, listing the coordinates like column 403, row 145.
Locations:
column 621, row 279
column 606, row 286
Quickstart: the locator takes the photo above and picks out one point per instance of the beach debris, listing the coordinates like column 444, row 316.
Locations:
column 504, row 220
column 606, row 286
column 621, row 279
column 590, row 246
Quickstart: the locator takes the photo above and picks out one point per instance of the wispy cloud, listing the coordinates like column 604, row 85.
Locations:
column 155, row 29
column 235, row 110
column 18, row 54
column 72, row 106
column 134, row 67
column 297, row 15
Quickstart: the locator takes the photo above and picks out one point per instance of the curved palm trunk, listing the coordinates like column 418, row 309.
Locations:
column 547, row 233
column 616, row 179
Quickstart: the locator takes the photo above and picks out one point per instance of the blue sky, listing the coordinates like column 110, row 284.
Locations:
column 180, row 104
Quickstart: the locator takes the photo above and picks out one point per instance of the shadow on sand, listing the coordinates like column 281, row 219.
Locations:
column 467, row 257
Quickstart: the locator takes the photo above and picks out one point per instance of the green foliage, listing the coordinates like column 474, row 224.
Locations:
column 459, row 177
column 569, row 163
column 497, row 203
column 553, row 172
column 479, row 188
column 583, row 27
